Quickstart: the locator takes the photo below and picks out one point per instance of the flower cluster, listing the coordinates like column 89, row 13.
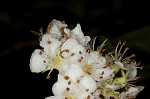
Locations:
column 83, row 72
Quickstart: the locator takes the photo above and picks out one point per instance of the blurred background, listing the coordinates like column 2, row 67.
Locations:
column 126, row 20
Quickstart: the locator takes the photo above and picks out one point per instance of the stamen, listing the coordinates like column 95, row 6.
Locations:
column 40, row 53
column 66, row 77
column 41, row 30
column 121, row 48
column 72, row 54
column 49, row 42
column 94, row 42
column 88, row 97
column 116, row 50
column 123, row 53
column 48, row 75
column 103, row 44
column 69, row 82
column 80, row 52
column 67, row 89
column 127, row 58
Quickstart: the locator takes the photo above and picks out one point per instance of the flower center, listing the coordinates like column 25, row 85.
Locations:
column 88, row 69
column 71, row 97
column 56, row 61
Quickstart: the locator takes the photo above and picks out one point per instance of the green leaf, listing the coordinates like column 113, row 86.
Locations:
column 137, row 39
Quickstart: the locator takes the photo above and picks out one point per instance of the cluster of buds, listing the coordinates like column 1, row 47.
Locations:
column 83, row 72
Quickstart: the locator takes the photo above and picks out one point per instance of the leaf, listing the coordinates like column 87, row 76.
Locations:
column 137, row 39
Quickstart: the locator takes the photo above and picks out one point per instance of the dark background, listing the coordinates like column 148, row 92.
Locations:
column 127, row 20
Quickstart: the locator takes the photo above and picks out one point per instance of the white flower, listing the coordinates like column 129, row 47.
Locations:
column 87, row 83
column 49, row 44
column 65, row 88
column 55, row 28
column 84, row 73
column 38, row 61
column 60, row 86
column 95, row 65
column 74, row 72
column 131, row 92
column 73, row 51
column 78, row 34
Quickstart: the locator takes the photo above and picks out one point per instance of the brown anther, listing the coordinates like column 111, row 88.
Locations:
column 133, row 55
column 88, row 97
column 107, row 55
column 66, row 97
column 80, row 52
column 90, row 49
column 66, row 77
column 62, row 29
column 50, row 26
column 87, row 90
column 131, row 97
column 78, row 81
column 63, row 22
column 69, row 82
column 67, row 89
column 124, row 43
column 108, row 64
column 44, row 61
column 102, row 73
column 127, row 48
column 88, row 73
column 103, row 50
column 49, row 42
column 41, row 30
column 112, row 97
column 40, row 53
column 141, row 67
column 67, row 51
column 79, row 60
column 119, row 42
column 72, row 54
column 66, row 36
column 101, row 77
column 47, row 77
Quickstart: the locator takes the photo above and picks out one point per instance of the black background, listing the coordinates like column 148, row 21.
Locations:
column 111, row 18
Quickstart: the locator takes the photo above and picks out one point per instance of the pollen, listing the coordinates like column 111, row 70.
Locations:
column 88, row 69
column 66, row 77
column 57, row 61
column 49, row 42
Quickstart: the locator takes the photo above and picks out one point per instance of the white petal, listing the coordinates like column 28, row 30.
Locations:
column 133, row 91
column 38, row 61
column 78, row 34
column 88, row 83
column 69, row 44
column 85, row 40
column 95, row 59
column 49, row 44
column 132, row 73
column 79, row 52
column 85, row 95
column 67, row 31
column 77, row 31
column 119, row 64
column 55, row 30
column 74, row 72
column 104, row 73
column 60, row 86
column 53, row 97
